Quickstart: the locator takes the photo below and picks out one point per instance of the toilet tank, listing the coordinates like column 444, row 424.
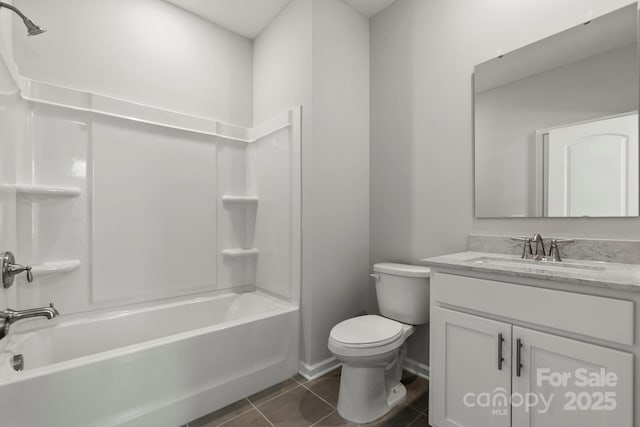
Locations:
column 403, row 292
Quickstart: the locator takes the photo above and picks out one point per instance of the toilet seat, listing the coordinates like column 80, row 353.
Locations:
column 366, row 332
column 367, row 336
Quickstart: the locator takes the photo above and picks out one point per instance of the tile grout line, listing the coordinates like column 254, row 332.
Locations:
column 261, row 414
column 415, row 419
column 298, row 381
column 323, row 418
column 288, row 391
column 424, row 412
column 237, row 416
column 276, row 396
column 301, row 383
column 318, row 396
column 262, row 403
column 416, row 409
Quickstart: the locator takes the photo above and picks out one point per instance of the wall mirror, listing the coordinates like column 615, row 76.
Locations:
column 556, row 124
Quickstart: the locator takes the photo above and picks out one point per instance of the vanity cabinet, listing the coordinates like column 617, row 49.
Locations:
column 509, row 354
column 466, row 361
column 585, row 396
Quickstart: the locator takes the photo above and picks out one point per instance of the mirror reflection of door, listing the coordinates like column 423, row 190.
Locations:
column 592, row 168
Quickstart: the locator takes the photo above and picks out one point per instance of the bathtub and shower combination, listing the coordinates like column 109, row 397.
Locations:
column 144, row 340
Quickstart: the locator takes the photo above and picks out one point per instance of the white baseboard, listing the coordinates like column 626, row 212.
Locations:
column 415, row 367
column 311, row 372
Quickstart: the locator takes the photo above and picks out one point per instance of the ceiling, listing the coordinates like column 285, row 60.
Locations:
column 245, row 17
column 249, row 17
column 369, row 8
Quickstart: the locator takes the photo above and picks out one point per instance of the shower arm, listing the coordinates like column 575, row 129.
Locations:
column 15, row 9
column 32, row 28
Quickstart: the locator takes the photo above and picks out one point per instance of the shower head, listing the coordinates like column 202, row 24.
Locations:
column 32, row 28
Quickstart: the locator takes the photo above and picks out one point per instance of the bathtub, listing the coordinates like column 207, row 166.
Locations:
column 161, row 365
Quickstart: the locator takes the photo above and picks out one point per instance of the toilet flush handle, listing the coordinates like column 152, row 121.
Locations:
column 376, row 276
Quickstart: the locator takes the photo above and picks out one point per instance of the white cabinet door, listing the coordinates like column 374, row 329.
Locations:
column 468, row 385
column 555, row 370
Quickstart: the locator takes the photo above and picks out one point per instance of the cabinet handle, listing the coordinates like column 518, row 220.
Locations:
column 500, row 358
column 518, row 357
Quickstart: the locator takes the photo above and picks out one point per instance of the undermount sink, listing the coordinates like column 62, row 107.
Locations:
column 498, row 261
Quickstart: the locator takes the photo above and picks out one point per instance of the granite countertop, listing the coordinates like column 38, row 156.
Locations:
column 610, row 275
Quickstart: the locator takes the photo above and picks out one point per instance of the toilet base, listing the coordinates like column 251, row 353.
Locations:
column 396, row 395
column 364, row 396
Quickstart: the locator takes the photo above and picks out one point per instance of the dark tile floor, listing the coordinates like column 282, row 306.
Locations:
column 297, row 402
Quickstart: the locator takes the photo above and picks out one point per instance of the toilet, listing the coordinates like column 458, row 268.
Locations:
column 372, row 348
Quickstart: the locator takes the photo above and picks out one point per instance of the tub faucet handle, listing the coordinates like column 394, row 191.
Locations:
column 17, row 269
column 10, row 269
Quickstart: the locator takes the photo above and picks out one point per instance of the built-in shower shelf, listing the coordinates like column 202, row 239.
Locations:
column 238, row 252
column 248, row 200
column 56, row 267
column 45, row 191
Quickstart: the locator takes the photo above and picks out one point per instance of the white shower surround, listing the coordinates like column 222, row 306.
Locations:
column 69, row 202
column 103, row 198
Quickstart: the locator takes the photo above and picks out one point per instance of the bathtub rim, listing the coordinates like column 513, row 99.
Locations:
column 8, row 376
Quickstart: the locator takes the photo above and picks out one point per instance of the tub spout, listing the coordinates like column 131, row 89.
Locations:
column 9, row 316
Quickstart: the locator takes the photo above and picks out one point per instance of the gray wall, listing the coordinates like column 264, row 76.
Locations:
column 336, row 169
column 332, row 84
column 422, row 59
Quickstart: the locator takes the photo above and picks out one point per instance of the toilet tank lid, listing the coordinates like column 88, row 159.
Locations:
column 406, row 270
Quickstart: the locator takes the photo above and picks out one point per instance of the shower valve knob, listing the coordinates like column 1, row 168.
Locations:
column 10, row 269
column 17, row 269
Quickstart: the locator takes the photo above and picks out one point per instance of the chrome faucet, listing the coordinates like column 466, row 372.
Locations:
column 8, row 317
column 539, row 253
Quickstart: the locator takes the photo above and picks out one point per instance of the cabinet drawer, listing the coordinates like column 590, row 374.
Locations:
column 594, row 316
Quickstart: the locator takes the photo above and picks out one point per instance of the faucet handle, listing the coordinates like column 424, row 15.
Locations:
column 17, row 269
column 563, row 240
column 527, row 251
column 10, row 269
column 554, row 252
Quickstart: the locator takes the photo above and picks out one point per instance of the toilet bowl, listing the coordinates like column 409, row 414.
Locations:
column 369, row 365
column 372, row 348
